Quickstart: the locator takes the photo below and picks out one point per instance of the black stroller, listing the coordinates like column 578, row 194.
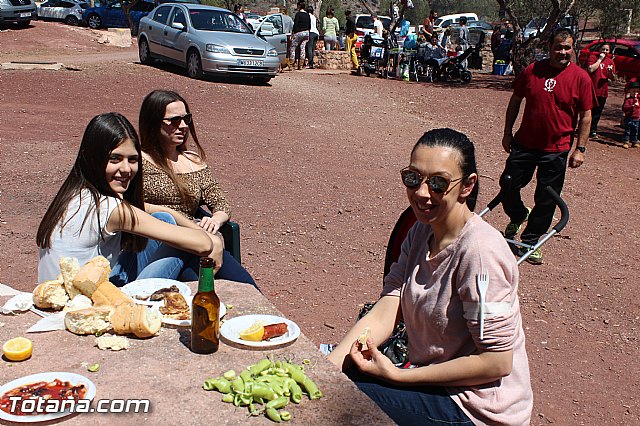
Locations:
column 373, row 55
column 447, row 69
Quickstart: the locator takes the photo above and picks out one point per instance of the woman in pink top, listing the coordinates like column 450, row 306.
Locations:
column 462, row 375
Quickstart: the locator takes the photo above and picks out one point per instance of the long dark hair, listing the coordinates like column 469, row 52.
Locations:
column 152, row 112
column 449, row 138
column 103, row 134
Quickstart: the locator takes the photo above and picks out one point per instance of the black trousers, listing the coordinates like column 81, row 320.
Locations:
column 520, row 165
column 596, row 112
column 311, row 47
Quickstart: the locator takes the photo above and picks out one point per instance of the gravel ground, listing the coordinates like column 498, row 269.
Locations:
column 310, row 164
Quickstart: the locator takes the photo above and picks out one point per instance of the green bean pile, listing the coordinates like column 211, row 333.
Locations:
column 269, row 383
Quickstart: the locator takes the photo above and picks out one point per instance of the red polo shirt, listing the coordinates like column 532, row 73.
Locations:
column 554, row 98
column 601, row 75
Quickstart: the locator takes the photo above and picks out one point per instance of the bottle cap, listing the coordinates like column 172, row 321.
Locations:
column 206, row 262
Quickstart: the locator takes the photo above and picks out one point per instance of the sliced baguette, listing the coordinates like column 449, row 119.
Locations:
column 69, row 268
column 91, row 275
column 50, row 294
column 108, row 294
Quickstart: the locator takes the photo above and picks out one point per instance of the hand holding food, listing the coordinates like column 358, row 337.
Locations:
column 362, row 339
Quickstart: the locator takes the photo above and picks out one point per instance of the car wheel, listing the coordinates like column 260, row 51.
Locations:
column 94, row 21
column 144, row 53
column 71, row 20
column 194, row 64
column 465, row 77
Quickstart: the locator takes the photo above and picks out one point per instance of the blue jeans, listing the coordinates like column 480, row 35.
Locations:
column 419, row 405
column 631, row 129
column 160, row 260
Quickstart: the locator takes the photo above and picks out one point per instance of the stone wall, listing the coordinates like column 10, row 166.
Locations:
column 333, row 59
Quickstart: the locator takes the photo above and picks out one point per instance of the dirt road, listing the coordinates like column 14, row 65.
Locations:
column 310, row 165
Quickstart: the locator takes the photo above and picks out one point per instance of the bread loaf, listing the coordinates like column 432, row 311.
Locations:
column 89, row 320
column 50, row 294
column 69, row 267
column 108, row 294
column 137, row 319
column 91, row 275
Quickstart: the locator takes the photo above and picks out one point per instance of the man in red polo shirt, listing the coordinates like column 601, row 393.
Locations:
column 559, row 96
column 601, row 69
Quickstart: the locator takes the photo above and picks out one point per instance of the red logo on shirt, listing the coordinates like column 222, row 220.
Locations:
column 549, row 84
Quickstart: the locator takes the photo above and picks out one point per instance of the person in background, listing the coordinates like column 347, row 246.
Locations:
column 238, row 9
column 427, row 25
column 314, row 34
column 378, row 28
column 352, row 38
column 331, row 28
column 602, row 70
column 631, row 109
column 463, row 38
column 301, row 27
column 287, row 22
column 180, row 179
column 470, row 365
column 99, row 210
column 435, row 50
column 558, row 95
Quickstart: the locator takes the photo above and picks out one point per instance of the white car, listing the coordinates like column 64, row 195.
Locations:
column 206, row 40
column 68, row 11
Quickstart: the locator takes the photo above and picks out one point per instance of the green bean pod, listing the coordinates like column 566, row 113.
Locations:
column 245, row 375
column 227, row 397
column 278, row 402
column 296, row 392
column 218, row 383
column 312, row 389
column 260, row 366
column 261, row 390
column 285, row 415
column 273, row 414
column 229, row 375
column 238, row 384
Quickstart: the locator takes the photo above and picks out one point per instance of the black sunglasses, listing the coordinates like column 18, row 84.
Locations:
column 437, row 184
column 175, row 121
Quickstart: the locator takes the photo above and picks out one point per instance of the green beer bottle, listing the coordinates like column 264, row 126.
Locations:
column 205, row 312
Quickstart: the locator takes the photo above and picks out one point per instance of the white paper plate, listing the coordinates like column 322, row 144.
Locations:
column 187, row 323
column 149, row 285
column 74, row 379
column 232, row 328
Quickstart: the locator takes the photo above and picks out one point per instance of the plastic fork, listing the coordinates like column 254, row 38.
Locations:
column 483, row 285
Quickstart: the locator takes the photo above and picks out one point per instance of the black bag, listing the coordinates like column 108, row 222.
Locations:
column 395, row 347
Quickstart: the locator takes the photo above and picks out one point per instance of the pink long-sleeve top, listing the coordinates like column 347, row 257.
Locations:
column 440, row 306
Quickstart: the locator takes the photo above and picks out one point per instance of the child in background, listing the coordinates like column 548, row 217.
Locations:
column 631, row 109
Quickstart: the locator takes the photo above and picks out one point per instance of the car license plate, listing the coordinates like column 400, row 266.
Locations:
column 250, row 63
column 25, row 14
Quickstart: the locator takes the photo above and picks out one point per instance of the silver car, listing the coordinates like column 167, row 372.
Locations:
column 68, row 11
column 205, row 39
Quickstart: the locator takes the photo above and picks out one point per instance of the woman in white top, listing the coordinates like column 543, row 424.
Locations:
column 99, row 210
column 314, row 34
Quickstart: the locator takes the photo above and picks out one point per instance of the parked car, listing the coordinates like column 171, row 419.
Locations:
column 18, row 11
column 111, row 14
column 274, row 24
column 364, row 26
column 206, row 39
column 625, row 53
column 446, row 20
column 538, row 24
column 68, row 11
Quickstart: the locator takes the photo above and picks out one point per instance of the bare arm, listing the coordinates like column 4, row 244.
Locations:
column 593, row 67
column 513, row 109
column 584, row 124
column 188, row 239
column 381, row 319
column 475, row 369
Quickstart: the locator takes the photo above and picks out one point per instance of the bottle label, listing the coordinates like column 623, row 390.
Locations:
column 205, row 281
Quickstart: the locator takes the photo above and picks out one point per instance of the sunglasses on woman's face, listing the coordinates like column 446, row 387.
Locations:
column 175, row 121
column 436, row 183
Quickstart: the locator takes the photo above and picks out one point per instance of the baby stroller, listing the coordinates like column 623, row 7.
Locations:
column 373, row 54
column 450, row 69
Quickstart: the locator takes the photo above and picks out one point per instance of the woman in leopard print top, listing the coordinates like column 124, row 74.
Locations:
column 180, row 179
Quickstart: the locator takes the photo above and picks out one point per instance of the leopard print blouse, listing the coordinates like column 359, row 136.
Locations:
column 159, row 189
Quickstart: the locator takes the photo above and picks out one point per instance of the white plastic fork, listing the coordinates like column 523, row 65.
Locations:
column 483, row 285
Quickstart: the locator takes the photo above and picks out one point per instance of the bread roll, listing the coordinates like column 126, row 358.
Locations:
column 79, row 302
column 89, row 320
column 137, row 319
column 108, row 294
column 50, row 295
column 69, row 267
column 91, row 275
